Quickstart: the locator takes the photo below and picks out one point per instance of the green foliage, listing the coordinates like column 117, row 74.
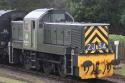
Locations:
column 96, row 10
column 3, row 4
column 31, row 4
column 120, row 71
column 108, row 11
column 117, row 37
column 28, row 4
column 123, row 18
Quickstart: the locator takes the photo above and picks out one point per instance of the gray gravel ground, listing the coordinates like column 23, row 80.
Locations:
column 8, row 74
column 11, row 76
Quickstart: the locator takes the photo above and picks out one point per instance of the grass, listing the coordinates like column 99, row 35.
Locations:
column 9, row 80
column 121, row 71
column 117, row 37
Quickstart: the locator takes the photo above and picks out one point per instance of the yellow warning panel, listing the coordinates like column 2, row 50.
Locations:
column 96, row 39
column 100, row 62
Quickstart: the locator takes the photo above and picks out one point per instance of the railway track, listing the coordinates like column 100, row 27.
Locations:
column 115, row 80
column 58, row 79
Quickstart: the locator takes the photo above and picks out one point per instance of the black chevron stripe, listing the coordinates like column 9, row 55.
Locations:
column 104, row 51
column 90, row 33
column 89, row 51
column 99, row 31
column 97, row 37
column 88, row 27
column 103, row 34
column 104, row 27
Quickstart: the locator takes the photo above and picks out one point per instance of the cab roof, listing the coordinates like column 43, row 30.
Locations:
column 36, row 14
column 4, row 11
column 78, row 24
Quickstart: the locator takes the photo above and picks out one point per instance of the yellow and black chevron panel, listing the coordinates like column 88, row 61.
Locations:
column 96, row 39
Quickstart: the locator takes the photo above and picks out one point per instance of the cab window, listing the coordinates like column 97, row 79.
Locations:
column 33, row 24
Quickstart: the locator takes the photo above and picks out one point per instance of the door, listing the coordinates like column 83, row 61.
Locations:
column 29, row 34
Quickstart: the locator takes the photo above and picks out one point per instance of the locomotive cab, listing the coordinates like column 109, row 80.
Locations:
column 34, row 24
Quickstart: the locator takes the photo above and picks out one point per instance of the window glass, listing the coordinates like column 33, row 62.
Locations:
column 45, row 18
column 33, row 24
column 26, row 26
column 58, row 17
column 68, row 18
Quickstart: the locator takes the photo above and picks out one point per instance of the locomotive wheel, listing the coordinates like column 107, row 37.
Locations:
column 61, row 70
column 27, row 63
column 5, row 58
column 47, row 68
column 37, row 66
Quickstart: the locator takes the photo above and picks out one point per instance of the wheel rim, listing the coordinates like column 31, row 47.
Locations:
column 47, row 68
column 27, row 64
column 61, row 70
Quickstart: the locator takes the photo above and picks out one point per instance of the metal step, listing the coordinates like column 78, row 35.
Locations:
column 33, row 66
column 33, row 60
column 69, row 64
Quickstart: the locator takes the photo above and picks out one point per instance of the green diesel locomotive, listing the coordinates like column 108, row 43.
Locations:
column 50, row 40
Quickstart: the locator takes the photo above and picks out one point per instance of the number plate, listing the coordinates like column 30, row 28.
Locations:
column 97, row 46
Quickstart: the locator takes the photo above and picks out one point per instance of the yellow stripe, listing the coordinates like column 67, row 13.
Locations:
column 105, row 40
column 93, row 51
column 100, row 51
column 96, row 31
column 107, row 50
column 89, row 31
column 106, row 27
column 103, row 30
column 96, row 39
column 97, row 47
column 92, row 35
column 86, row 51
column 85, row 28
